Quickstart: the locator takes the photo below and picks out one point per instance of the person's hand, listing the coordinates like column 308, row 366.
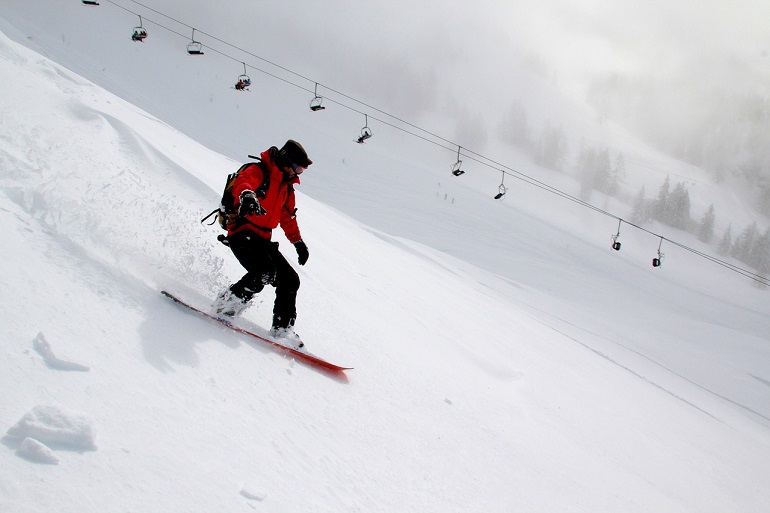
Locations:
column 302, row 253
column 250, row 205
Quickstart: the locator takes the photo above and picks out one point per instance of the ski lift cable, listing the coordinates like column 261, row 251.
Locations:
column 735, row 268
column 210, row 48
column 699, row 253
column 289, row 82
column 424, row 134
column 219, row 40
column 449, row 146
column 292, row 72
column 528, row 179
column 282, row 79
column 479, row 157
column 426, row 137
column 148, row 20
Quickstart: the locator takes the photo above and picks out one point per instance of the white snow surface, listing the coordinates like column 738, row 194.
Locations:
column 505, row 358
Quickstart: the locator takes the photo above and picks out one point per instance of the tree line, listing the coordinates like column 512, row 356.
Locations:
column 671, row 206
column 598, row 170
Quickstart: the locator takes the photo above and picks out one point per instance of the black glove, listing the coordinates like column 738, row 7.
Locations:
column 250, row 205
column 302, row 252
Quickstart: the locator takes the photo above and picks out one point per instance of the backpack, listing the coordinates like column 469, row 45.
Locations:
column 226, row 213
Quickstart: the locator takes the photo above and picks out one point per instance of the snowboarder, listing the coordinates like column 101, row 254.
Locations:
column 264, row 196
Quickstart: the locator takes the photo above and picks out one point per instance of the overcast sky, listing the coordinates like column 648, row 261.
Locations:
column 463, row 57
column 574, row 37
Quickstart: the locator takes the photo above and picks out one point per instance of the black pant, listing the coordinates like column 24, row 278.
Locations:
column 266, row 265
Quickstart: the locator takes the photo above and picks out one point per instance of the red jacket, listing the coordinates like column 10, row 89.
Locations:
column 278, row 200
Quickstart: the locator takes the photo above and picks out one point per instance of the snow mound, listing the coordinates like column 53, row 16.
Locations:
column 54, row 425
column 36, row 451
column 253, row 493
column 43, row 347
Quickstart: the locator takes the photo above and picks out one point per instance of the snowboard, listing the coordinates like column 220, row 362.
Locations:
column 299, row 355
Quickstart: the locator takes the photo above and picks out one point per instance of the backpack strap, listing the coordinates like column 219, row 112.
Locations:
column 222, row 211
column 215, row 211
column 261, row 191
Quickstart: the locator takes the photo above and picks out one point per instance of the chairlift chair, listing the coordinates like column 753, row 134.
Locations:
column 615, row 243
column 456, row 171
column 90, row 2
column 315, row 103
column 502, row 189
column 366, row 132
column 139, row 34
column 659, row 260
column 243, row 81
column 194, row 47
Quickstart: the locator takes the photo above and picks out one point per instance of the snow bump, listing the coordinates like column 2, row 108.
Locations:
column 36, row 451
column 54, row 426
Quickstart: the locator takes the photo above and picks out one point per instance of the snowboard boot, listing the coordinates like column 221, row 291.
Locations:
column 228, row 304
column 287, row 337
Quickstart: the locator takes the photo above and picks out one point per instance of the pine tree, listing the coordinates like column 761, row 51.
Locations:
column 726, row 243
column 706, row 226
column 585, row 166
column 678, row 207
column 641, row 212
column 744, row 242
column 759, row 254
column 660, row 210
column 617, row 174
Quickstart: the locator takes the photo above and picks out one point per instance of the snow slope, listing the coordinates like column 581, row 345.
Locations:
column 552, row 374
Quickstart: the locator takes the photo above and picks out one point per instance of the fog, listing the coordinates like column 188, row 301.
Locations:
column 663, row 69
column 689, row 77
column 345, row 42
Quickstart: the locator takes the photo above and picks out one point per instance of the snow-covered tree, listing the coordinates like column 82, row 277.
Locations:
column 678, row 208
column 673, row 206
column 659, row 207
column 744, row 242
column 617, row 174
column 759, row 254
column 726, row 242
column 596, row 171
column 641, row 212
column 585, row 168
column 706, row 225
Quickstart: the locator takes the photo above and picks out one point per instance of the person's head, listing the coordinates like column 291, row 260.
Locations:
column 293, row 159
